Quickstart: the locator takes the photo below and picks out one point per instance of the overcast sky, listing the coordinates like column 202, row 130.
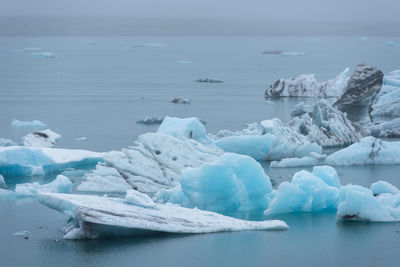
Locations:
column 311, row 10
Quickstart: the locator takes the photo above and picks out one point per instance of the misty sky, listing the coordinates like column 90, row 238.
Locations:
column 310, row 10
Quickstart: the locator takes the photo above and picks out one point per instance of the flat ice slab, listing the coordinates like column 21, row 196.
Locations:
column 97, row 217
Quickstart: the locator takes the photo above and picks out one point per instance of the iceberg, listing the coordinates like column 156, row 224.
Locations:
column 187, row 128
column 61, row 184
column 44, row 54
column 368, row 151
column 208, row 80
column 30, row 124
column 306, row 85
column 359, row 203
column 150, row 120
column 307, row 192
column 231, row 183
column 7, row 142
column 99, row 217
column 382, row 187
column 32, row 48
column 181, row 100
column 356, row 99
column 155, row 162
column 26, row 161
column 44, row 138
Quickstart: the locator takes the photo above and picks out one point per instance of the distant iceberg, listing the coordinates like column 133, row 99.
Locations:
column 31, row 124
column 23, row 161
column 147, row 45
column 44, row 54
column 7, row 142
column 288, row 53
column 181, row 100
column 306, row 85
column 391, row 44
column 99, row 217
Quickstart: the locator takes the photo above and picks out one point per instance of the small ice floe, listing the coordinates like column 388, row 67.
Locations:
column 7, row 142
column 83, row 139
column 391, row 44
column 150, row 120
column 22, row 233
column 61, row 184
column 28, row 161
column 181, row 100
column 184, row 62
column 147, row 45
column 44, row 138
column 208, row 80
column 32, row 49
column 289, row 53
column 44, row 55
column 29, row 124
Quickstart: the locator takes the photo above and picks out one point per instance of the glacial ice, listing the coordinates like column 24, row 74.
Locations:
column 181, row 100
column 382, row 187
column 368, row 151
column 2, row 182
column 150, row 120
column 232, row 182
column 98, row 217
column 44, row 138
column 61, row 184
column 139, row 199
column 187, row 128
column 359, row 203
column 306, row 85
column 307, row 192
column 30, row 124
column 155, row 162
column 288, row 53
column 44, row 54
column 22, row 161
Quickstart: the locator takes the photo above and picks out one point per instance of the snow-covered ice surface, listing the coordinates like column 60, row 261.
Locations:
column 30, row 124
column 155, row 162
column 306, row 85
column 7, row 142
column 97, row 217
column 61, row 184
column 368, row 151
column 22, row 161
column 232, row 182
column 307, row 192
column 44, row 138
column 359, row 203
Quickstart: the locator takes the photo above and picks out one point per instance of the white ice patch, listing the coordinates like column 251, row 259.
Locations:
column 44, row 138
column 61, row 184
column 29, row 124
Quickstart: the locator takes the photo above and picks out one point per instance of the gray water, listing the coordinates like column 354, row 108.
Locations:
column 99, row 91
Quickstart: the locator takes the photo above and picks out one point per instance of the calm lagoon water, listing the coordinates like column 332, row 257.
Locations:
column 100, row 90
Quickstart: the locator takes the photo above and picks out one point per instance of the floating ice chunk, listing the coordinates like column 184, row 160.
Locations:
column 358, row 203
column 22, row 233
column 368, row 151
column 104, row 180
column 84, row 138
column 307, row 192
column 22, row 161
column 44, row 138
column 233, row 182
column 208, row 80
column 32, row 48
column 61, row 184
column 389, row 128
column 151, row 120
column 7, row 142
column 300, row 109
column 139, row 199
column 391, row 44
column 184, row 62
column 147, row 45
column 382, row 187
column 97, row 217
column 31, row 124
column 289, row 53
column 181, row 100
column 327, row 174
column 306, row 85
column 295, row 162
column 190, row 128
column 44, row 54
